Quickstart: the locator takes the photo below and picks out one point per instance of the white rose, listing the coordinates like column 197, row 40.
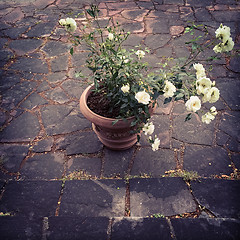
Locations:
column 200, row 71
column 202, row 85
column 212, row 95
column 218, row 48
column 148, row 128
column 143, row 97
column 169, row 89
column 62, row 22
column 213, row 111
column 140, row 54
column 125, row 88
column 223, row 33
column 156, row 144
column 228, row 45
column 207, row 118
column 70, row 25
column 110, row 36
column 193, row 104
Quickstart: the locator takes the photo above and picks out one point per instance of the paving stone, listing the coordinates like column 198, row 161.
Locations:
column 233, row 145
column 55, row 48
column 5, row 55
column 3, row 118
column 174, row 2
column 230, row 124
column 43, row 3
column 137, row 15
column 13, row 227
column 12, row 156
column 73, row 88
column 46, row 166
column 199, row 3
column 103, row 198
column 234, row 64
column 30, row 65
column 44, row 145
column 152, row 163
column 59, row 63
column 32, row 199
column 134, row 27
column 157, row 26
column 57, row 95
column 157, row 41
column 226, row 16
column 219, row 196
column 140, row 228
column 33, row 101
column 23, row 46
column 13, row 16
column 116, row 162
column 207, row 161
column 59, row 119
column 90, row 166
column 236, row 160
column 56, row 77
column 77, row 228
column 166, row 196
column 43, row 86
column 187, row 14
column 202, row 14
column 23, row 128
column 14, row 33
column 41, row 30
column 83, row 142
column 198, row 229
column 164, row 52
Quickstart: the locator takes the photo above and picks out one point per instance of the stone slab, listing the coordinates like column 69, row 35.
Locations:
column 41, row 29
column 153, row 163
column 57, row 95
column 60, row 63
column 209, row 229
column 46, row 166
column 54, row 48
column 219, row 196
column 33, row 101
column 166, row 196
column 43, row 145
column 140, row 228
column 17, row 228
column 32, row 199
column 77, row 228
column 103, row 198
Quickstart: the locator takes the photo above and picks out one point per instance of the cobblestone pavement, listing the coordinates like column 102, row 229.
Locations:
column 57, row 181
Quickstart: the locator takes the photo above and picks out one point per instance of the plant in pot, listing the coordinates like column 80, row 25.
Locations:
column 123, row 95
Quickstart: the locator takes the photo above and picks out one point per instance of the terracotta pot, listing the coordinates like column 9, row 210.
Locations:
column 115, row 137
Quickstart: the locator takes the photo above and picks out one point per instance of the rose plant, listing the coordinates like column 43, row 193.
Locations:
column 122, row 78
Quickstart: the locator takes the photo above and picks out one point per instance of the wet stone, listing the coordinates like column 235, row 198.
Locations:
column 57, row 95
column 84, row 142
column 77, row 228
column 30, row 65
column 225, row 204
column 140, row 228
column 23, row 46
column 59, row 64
column 24, row 228
column 23, row 128
column 55, row 48
column 44, row 145
column 12, row 156
column 90, row 166
column 207, row 161
column 165, row 196
column 59, row 119
column 153, row 163
column 32, row 199
column 41, row 30
column 46, row 166
column 216, row 228
column 103, row 198
column 116, row 163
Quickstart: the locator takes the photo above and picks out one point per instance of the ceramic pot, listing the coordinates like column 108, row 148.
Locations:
column 116, row 137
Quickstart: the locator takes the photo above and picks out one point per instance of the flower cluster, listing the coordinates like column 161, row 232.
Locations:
column 226, row 44
column 148, row 129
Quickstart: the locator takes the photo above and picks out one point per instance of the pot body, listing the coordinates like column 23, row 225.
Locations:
column 116, row 137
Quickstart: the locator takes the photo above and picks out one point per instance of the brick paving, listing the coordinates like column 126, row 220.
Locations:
column 57, row 181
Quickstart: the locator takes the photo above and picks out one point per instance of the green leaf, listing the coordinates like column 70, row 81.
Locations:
column 179, row 96
column 71, row 51
column 167, row 100
column 115, row 121
column 188, row 117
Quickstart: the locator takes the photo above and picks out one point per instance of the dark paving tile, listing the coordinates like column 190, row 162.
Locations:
column 157, row 40
column 74, row 228
column 31, row 198
column 57, row 95
column 19, row 228
column 44, row 145
column 219, row 196
column 166, row 196
column 140, row 228
column 209, row 229
column 73, row 88
column 56, row 77
column 93, row 198
column 41, row 29
column 55, row 48
column 59, row 63
column 33, row 101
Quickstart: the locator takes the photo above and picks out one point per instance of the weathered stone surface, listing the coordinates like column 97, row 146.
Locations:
column 59, row 63
column 33, row 101
column 56, row 77
column 59, row 119
column 12, row 156
column 166, row 196
column 13, row 227
column 77, row 228
column 221, row 197
column 74, row 88
column 13, row 16
column 207, row 161
column 202, row 14
column 41, row 30
column 137, row 15
column 5, row 55
column 83, row 142
column 153, row 163
column 57, row 95
column 140, row 228
column 199, row 3
column 33, row 199
column 116, row 163
column 236, row 160
column 90, row 166
column 23, row 128
column 103, row 198
column 46, row 166
column 226, row 16
column 216, row 228
column 55, row 48
column 176, row 30
column 234, row 64
column 157, row 26
column 44, row 145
